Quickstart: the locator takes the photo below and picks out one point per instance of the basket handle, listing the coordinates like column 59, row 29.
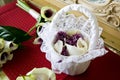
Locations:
column 91, row 18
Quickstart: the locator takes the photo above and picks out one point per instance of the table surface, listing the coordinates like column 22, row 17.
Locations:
column 106, row 67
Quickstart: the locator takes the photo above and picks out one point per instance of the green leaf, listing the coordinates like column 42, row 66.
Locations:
column 13, row 34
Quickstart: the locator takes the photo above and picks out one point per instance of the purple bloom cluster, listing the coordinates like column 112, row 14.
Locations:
column 71, row 40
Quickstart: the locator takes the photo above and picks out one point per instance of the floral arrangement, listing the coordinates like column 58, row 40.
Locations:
column 73, row 47
column 11, row 37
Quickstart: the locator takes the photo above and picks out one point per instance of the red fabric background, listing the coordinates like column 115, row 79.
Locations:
column 106, row 67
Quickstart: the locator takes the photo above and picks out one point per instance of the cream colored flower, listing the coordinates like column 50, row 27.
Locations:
column 38, row 74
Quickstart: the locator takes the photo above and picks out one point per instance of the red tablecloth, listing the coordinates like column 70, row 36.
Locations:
column 106, row 67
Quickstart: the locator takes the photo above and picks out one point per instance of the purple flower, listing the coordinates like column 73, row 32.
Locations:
column 64, row 51
column 65, row 38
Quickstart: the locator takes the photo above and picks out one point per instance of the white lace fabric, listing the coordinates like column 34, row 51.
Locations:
column 72, row 65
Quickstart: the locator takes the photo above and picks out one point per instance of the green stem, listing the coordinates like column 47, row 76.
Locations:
column 35, row 26
column 23, row 5
column 31, row 29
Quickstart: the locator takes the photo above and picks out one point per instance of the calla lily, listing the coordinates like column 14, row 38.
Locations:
column 73, row 50
column 82, row 44
column 58, row 46
column 29, row 77
column 2, row 44
column 6, row 49
column 47, row 13
column 23, row 5
column 70, row 43
column 38, row 74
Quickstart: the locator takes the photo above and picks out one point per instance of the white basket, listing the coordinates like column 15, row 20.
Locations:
column 72, row 65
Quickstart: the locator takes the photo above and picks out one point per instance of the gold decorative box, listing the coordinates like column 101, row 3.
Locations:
column 107, row 12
